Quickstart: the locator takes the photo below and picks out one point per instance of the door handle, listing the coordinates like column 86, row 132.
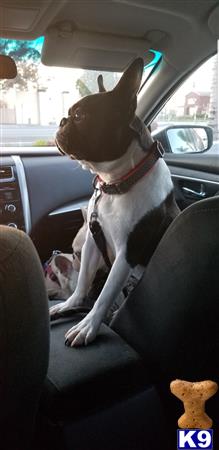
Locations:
column 199, row 194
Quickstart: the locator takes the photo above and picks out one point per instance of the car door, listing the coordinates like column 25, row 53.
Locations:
column 195, row 172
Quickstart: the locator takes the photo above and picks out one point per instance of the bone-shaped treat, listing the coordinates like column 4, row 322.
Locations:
column 194, row 396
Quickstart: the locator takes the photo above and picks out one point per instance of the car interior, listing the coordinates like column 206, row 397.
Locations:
column 115, row 393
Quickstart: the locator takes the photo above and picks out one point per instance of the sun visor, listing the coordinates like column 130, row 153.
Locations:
column 89, row 50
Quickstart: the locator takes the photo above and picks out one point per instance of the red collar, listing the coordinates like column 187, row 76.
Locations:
column 125, row 183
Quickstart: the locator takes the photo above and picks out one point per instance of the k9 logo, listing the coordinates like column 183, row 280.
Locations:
column 196, row 439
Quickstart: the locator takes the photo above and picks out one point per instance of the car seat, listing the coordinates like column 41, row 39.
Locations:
column 166, row 329
column 24, row 338
column 172, row 317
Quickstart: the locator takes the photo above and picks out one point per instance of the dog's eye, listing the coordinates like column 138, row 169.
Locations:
column 78, row 115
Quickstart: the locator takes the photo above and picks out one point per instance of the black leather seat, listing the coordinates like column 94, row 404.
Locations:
column 99, row 389
column 24, row 338
column 170, row 320
column 94, row 376
column 172, row 317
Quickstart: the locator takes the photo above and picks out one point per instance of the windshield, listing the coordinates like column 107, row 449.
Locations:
column 32, row 105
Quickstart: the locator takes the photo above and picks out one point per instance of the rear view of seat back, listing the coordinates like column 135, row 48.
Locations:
column 172, row 318
column 24, row 337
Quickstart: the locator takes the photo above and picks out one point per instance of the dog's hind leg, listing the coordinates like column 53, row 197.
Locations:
column 90, row 260
column 86, row 330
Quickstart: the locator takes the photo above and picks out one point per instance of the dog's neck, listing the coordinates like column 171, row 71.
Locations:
column 112, row 171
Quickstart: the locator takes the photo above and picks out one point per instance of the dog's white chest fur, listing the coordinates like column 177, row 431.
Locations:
column 118, row 214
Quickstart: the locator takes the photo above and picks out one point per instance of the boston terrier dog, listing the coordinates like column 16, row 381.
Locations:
column 61, row 270
column 61, row 275
column 133, row 201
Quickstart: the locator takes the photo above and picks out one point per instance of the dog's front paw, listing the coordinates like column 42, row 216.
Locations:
column 74, row 300
column 84, row 332
column 58, row 308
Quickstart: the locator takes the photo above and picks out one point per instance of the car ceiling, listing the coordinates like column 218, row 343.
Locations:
column 159, row 23
column 28, row 19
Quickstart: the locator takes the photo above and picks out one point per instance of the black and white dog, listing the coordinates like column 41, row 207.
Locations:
column 133, row 199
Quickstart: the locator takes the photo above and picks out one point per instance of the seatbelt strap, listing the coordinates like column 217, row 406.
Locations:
column 97, row 232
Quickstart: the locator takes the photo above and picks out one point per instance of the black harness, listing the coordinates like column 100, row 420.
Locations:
column 97, row 231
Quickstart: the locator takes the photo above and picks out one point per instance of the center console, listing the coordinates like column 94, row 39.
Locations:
column 14, row 206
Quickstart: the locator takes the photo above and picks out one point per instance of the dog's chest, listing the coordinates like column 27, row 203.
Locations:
column 119, row 214
column 115, row 220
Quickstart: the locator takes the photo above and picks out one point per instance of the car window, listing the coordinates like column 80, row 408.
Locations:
column 195, row 103
column 32, row 105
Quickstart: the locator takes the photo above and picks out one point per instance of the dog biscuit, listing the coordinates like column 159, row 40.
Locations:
column 194, row 396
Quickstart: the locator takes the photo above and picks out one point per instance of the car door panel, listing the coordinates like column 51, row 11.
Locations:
column 195, row 177
column 57, row 188
column 53, row 182
column 205, row 162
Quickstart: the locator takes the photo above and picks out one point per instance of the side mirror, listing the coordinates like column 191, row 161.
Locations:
column 8, row 69
column 185, row 138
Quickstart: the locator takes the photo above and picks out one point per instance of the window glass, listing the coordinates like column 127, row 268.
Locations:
column 194, row 103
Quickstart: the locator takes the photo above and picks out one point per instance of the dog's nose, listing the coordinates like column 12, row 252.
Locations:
column 63, row 122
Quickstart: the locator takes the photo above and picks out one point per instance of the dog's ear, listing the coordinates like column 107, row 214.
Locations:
column 130, row 81
column 64, row 265
column 84, row 213
column 100, row 83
